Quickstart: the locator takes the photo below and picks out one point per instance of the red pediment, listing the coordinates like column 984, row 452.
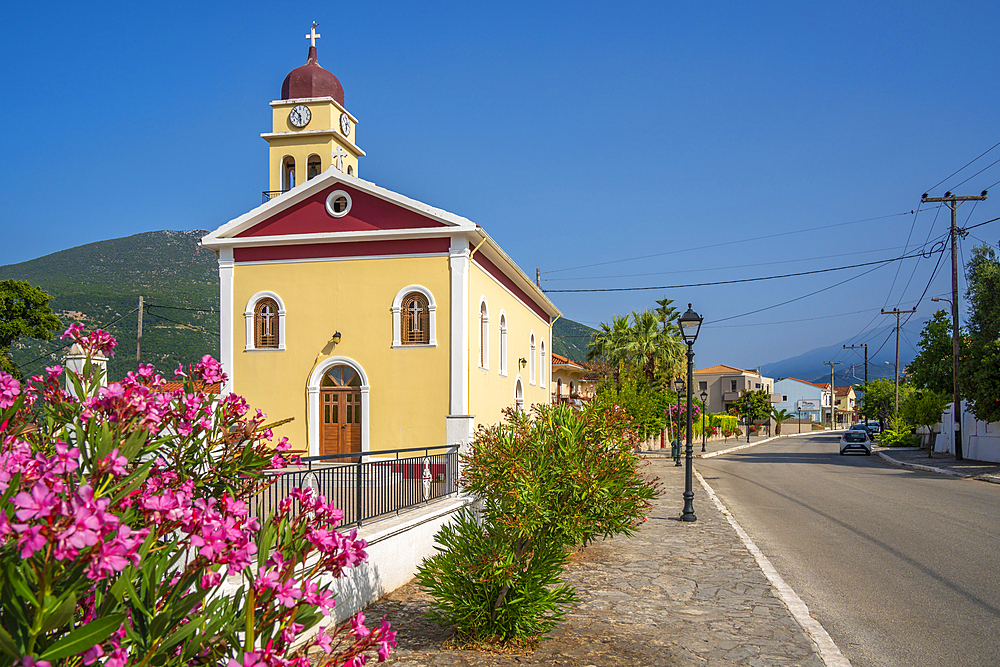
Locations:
column 367, row 213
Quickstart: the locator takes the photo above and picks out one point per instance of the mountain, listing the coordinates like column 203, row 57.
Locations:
column 99, row 284
column 809, row 366
column 570, row 339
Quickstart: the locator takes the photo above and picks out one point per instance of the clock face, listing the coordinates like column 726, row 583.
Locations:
column 345, row 124
column 300, row 115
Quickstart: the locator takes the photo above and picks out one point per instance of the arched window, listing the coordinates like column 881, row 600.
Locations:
column 544, row 372
column 314, row 167
column 416, row 320
column 265, row 324
column 484, row 335
column 531, row 361
column 558, row 390
column 519, row 395
column 503, row 343
column 288, row 173
column 350, row 170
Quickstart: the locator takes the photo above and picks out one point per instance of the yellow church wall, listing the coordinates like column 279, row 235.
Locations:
column 299, row 148
column 490, row 392
column 409, row 387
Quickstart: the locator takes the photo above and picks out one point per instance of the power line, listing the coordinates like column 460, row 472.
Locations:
column 71, row 342
column 729, row 266
column 964, row 166
column 745, row 280
column 725, row 243
column 976, row 174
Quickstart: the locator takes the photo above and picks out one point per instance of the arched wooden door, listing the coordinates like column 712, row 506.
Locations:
column 340, row 411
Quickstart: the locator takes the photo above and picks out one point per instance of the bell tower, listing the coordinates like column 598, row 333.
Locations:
column 311, row 130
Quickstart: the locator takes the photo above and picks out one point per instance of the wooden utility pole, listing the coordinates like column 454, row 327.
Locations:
column 953, row 202
column 855, row 347
column 538, row 278
column 897, row 312
column 138, row 339
column 833, row 395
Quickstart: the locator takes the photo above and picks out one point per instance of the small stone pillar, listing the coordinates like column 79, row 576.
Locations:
column 75, row 361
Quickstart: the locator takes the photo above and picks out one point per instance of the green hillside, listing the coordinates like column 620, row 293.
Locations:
column 99, row 284
column 570, row 339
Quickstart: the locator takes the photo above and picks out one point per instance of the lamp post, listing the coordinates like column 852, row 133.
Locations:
column 679, row 387
column 690, row 323
column 704, row 408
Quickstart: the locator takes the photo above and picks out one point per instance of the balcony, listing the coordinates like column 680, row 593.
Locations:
column 271, row 194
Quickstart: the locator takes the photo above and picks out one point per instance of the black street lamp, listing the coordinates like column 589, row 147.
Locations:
column 679, row 387
column 704, row 409
column 690, row 325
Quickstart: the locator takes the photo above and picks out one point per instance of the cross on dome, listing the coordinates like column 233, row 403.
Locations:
column 338, row 157
column 313, row 35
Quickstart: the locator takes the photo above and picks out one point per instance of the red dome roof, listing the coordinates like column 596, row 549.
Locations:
column 311, row 80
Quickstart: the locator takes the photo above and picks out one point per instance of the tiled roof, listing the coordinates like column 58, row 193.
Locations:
column 559, row 360
column 814, row 384
column 173, row 385
column 722, row 368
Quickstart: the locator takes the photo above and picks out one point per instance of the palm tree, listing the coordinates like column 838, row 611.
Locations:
column 780, row 417
column 609, row 344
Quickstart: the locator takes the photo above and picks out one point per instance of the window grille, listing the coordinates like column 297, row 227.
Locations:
column 415, row 320
column 265, row 324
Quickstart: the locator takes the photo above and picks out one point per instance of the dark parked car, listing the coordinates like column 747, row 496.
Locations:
column 866, row 428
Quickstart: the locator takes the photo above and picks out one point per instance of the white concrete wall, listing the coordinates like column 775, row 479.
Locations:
column 980, row 440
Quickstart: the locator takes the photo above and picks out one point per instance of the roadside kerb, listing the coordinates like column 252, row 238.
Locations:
column 993, row 479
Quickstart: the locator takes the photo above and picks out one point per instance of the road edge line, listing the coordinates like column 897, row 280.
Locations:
column 828, row 650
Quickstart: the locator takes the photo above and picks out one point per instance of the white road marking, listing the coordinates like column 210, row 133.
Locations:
column 828, row 650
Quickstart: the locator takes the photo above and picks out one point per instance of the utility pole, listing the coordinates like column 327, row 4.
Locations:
column 897, row 312
column 953, row 202
column 854, row 347
column 538, row 278
column 138, row 340
column 833, row 395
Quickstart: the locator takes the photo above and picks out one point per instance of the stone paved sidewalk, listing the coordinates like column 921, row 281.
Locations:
column 674, row 594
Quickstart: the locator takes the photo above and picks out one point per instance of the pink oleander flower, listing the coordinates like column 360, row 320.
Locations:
column 29, row 661
column 358, row 626
column 115, row 463
column 286, row 593
column 73, row 332
column 9, row 391
column 323, row 640
column 37, row 504
column 292, row 631
column 93, row 654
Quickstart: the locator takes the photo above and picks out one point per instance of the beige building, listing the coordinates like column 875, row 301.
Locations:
column 572, row 382
column 846, row 405
column 725, row 384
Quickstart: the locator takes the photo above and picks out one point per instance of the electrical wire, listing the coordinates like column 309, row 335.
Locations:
column 743, row 280
column 963, row 167
column 976, row 174
column 71, row 342
column 725, row 243
column 185, row 324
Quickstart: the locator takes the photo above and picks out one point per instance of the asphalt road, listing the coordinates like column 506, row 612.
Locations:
column 901, row 567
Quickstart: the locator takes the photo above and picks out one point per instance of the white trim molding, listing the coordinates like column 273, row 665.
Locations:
column 484, row 334
column 532, row 358
column 458, row 263
column 248, row 318
column 544, row 369
column 313, row 389
column 397, row 304
column 504, row 351
column 226, row 329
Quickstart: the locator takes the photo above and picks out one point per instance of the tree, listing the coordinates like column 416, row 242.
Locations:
column 609, row 344
column 753, row 406
column 932, row 367
column 924, row 408
column 648, row 343
column 780, row 417
column 879, row 400
column 24, row 313
column 980, row 368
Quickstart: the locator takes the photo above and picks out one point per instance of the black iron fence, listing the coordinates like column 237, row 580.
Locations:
column 369, row 485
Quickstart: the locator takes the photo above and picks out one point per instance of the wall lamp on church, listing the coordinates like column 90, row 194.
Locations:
column 523, row 362
column 336, row 338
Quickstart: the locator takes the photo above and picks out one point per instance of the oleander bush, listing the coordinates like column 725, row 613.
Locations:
column 126, row 536
column 557, row 479
column 898, row 434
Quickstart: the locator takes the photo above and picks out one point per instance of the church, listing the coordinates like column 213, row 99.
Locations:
column 374, row 320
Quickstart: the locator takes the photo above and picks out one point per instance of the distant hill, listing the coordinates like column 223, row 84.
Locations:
column 809, row 366
column 570, row 339
column 99, row 284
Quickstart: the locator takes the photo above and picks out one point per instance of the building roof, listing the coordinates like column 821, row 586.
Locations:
column 560, row 360
column 305, row 206
column 722, row 368
column 311, row 80
column 174, row 385
column 837, row 391
column 813, row 384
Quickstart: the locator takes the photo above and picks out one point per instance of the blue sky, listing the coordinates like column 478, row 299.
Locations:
column 578, row 134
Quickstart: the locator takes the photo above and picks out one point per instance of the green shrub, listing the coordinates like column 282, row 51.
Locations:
column 898, row 434
column 560, row 479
